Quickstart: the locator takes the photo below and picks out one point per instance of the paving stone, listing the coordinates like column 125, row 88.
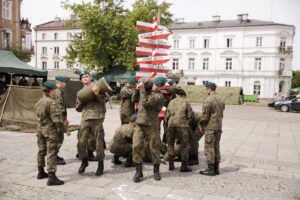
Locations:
column 153, row 191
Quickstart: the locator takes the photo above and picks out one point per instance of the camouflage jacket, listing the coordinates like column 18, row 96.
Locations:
column 124, row 134
column 212, row 113
column 171, row 95
column 94, row 109
column 127, row 106
column 49, row 115
column 179, row 113
column 60, row 100
column 150, row 105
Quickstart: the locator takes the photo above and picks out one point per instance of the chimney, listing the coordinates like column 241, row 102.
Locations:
column 216, row 18
column 245, row 17
column 240, row 17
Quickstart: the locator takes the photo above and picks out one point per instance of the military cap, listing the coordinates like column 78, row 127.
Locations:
column 132, row 80
column 50, row 85
column 210, row 84
column 133, row 117
column 171, row 82
column 180, row 92
column 160, row 81
column 84, row 73
column 62, row 78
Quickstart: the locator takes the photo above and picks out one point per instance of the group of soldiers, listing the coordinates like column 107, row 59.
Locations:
column 138, row 139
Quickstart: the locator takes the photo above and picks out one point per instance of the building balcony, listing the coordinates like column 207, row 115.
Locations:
column 285, row 49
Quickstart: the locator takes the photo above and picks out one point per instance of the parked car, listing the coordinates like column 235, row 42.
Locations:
column 272, row 103
column 288, row 105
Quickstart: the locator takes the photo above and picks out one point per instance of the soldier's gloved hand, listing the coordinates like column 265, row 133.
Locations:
column 96, row 90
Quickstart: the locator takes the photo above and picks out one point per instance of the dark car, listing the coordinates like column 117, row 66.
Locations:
column 272, row 103
column 286, row 106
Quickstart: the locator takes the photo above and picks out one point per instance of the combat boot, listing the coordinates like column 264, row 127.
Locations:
column 138, row 177
column 42, row 174
column 100, row 169
column 184, row 167
column 91, row 156
column 216, row 168
column 128, row 162
column 53, row 180
column 209, row 171
column 116, row 160
column 84, row 164
column 157, row 176
column 60, row 161
column 171, row 164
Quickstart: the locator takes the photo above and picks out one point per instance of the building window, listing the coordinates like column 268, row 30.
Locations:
column 69, row 36
column 257, row 63
column 228, row 63
column 56, row 65
column 281, row 66
column 227, row 83
column 55, row 36
column 191, row 63
column 176, row 44
column 44, row 51
column 44, row 65
column 258, row 41
column 256, row 88
column 56, row 50
column 206, row 43
column 205, row 63
column 175, row 63
column 6, row 38
column 44, row 36
column 192, row 43
column 6, row 9
column 23, row 42
column 282, row 42
column 229, row 42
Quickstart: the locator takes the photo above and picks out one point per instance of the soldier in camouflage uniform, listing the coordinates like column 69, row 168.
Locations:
column 211, row 121
column 127, row 106
column 179, row 115
column 93, row 114
column 121, row 144
column 50, row 121
column 150, row 103
column 61, row 83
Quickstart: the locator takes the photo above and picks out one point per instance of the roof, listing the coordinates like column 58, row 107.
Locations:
column 9, row 63
column 223, row 24
column 58, row 24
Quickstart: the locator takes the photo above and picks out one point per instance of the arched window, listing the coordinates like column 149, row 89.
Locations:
column 281, row 84
column 256, row 88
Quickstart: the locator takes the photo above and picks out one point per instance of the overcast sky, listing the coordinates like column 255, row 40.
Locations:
column 282, row 11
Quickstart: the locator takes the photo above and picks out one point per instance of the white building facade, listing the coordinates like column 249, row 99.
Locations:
column 252, row 54
column 51, row 42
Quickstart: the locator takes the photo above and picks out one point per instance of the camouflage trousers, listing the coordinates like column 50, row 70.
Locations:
column 152, row 134
column 124, row 118
column 48, row 146
column 120, row 149
column 194, row 141
column 183, row 134
column 60, row 140
column 212, row 146
column 91, row 132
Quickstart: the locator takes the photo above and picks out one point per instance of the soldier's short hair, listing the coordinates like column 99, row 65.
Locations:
column 180, row 92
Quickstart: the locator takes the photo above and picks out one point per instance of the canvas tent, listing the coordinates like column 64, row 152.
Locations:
column 116, row 74
column 17, row 107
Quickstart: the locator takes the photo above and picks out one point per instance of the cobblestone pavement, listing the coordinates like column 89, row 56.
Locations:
column 260, row 160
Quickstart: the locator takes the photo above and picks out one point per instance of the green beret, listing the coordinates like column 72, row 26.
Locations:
column 160, row 81
column 210, row 84
column 50, row 85
column 133, row 117
column 132, row 80
column 171, row 82
column 62, row 78
column 84, row 73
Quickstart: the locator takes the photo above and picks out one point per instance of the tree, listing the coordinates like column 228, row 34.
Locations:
column 24, row 55
column 109, row 36
column 296, row 79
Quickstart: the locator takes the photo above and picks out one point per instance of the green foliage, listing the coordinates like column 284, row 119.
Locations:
column 24, row 55
column 296, row 79
column 109, row 36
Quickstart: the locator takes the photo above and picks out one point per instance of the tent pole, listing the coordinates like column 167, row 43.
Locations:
column 4, row 105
